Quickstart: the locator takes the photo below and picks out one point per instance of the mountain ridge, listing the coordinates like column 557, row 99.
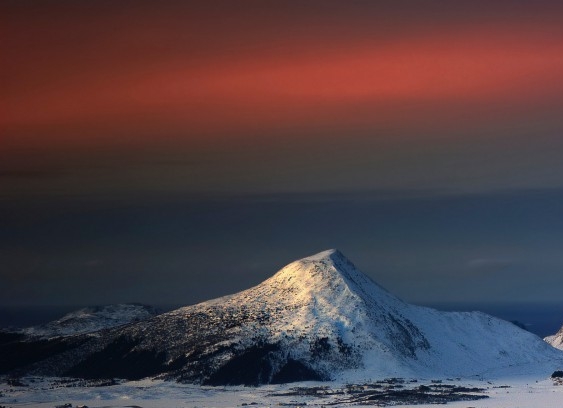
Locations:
column 91, row 319
column 318, row 318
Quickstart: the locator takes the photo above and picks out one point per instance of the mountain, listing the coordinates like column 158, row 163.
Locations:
column 92, row 319
column 21, row 349
column 556, row 340
column 318, row 318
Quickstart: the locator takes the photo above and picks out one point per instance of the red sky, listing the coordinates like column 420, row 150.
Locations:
column 77, row 75
column 201, row 72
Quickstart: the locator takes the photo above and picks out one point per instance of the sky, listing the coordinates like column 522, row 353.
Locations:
column 169, row 152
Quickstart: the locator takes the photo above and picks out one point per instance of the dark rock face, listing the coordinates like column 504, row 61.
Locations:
column 252, row 367
column 17, row 351
column 262, row 364
column 294, row 371
column 259, row 364
column 119, row 359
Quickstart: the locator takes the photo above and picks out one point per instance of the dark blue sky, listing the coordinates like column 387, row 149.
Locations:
column 424, row 246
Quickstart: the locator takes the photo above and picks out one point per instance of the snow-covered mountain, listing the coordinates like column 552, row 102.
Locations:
column 92, row 319
column 556, row 340
column 318, row 318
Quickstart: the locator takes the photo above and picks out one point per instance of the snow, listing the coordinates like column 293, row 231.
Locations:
column 319, row 297
column 556, row 340
column 325, row 296
column 514, row 393
column 322, row 312
column 328, row 297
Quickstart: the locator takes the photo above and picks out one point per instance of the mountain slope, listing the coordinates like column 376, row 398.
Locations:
column 36, row 345
column 318, row 318
column 556, row 340
column 91, row 319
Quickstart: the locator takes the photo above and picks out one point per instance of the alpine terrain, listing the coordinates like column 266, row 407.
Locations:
column 556, row 340
column 92, row 319
column 318, row 318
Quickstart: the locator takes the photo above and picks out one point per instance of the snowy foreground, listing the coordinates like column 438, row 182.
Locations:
column 514, row 392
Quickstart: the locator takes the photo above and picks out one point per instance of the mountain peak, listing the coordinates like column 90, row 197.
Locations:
column 315, row 272
column 327, row 280
column 327, row 255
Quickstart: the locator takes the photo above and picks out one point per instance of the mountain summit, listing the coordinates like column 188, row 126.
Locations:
column 318, row 318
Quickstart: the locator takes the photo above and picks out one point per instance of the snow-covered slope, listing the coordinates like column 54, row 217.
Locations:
column 318, row 318
column 92, row 319
column 556, row 340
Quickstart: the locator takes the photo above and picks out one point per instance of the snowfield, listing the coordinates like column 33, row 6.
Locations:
column 514, row 392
